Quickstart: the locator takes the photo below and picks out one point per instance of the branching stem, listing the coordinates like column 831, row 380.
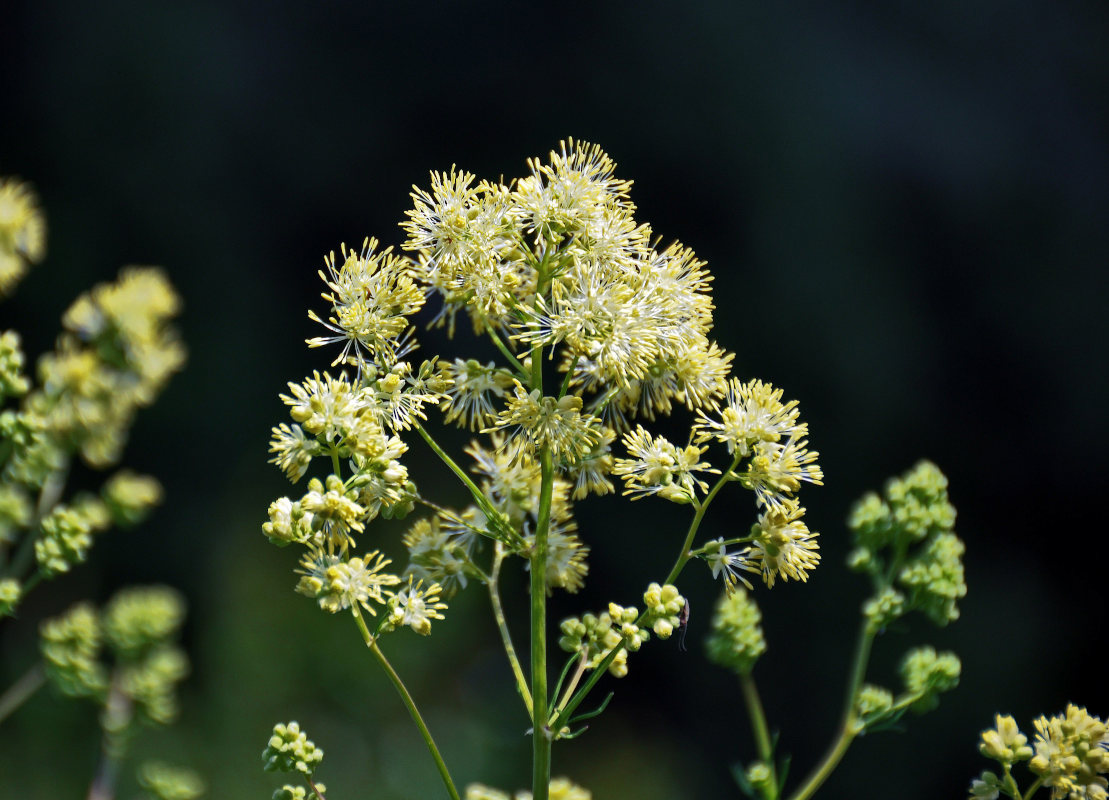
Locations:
column 22, row 690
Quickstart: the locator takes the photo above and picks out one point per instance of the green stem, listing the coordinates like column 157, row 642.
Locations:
column 409, row 703
column 541, row 733
column 482, row 501
column 502, row 626
column 758, row 727
column 687, row 544
column 22, row 690
column 114, row 721
column 683, row 558
column 515, row 362
column 850, row 727
column 566, row 380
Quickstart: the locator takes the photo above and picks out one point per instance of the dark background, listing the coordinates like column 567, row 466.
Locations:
column 905, row 209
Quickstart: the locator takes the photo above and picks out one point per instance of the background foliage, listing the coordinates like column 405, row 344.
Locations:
column 906, row 211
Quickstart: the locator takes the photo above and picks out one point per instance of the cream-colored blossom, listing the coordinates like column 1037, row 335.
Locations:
column 371, row 295
column 753, row 412
column 729, row 565
column 359, row 580
column 659, row 467
column 549, row 422
column 783, row 546
column 776, row 470
column 416, row 606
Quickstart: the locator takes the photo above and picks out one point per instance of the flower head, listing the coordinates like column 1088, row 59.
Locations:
column 371, row 295
column 783, row 545
column 729, row 565
column 659, row 467
column 416, row 606
column 753, row 412
column 549, row 421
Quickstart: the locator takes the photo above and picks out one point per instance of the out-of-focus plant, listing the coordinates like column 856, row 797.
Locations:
column 600, row 332
column 117, row 350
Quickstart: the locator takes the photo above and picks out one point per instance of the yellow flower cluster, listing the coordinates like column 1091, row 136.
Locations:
column 1070, row 755
column 22, row 232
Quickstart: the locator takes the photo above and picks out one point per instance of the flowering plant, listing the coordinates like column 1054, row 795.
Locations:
column 117, row 351
column 601, row 331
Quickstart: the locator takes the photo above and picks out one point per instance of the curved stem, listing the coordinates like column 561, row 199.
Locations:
column 502, row 626
column 515, row 362
column 480, row 499
column 850, row 727
column 22, row 690
column 758, row 726
column 409, row 703
column 686, row 553
column 541, row 733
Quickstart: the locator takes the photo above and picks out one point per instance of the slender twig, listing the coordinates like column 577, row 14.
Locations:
column 502, row 626
column 1032, row 789
column 758, row 726
column 515, row 362
column 22, row 690
column 482, row 501
column 850, row 727
column 409, row 703
column 115, row 719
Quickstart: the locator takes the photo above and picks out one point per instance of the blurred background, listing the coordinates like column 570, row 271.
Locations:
column 904, row 206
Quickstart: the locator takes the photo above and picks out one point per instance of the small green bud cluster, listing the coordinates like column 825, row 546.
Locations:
column 596, row 636
column 909, row 535
column 142, row 664
column 736, row 641
column 165, row 782
column 925, row 674
column 13, row 383
column 873, row 702
column 71, row 649
column 289, row 792
column 290, row 750
column 1070, row 755
column 130, row 497
column 67, row 533
column 10, row 592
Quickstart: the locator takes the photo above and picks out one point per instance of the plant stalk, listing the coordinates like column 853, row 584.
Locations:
column 850, row 727
column 409, row 703
column 22, row 690
column 541, row 733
